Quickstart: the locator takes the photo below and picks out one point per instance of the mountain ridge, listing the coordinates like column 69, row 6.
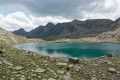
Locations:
column 72, row 30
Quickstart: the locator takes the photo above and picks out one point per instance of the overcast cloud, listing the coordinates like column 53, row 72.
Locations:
column 43, row 11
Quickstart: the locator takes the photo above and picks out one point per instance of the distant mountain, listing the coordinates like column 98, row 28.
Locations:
column 74, row 29
column 21, row 31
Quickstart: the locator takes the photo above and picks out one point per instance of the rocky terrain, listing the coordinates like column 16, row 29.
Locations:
column 18, row 64
column 11, row 38
column 28, row 65
column 71, row 30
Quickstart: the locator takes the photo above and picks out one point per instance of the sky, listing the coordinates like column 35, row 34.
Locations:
column 29, row 14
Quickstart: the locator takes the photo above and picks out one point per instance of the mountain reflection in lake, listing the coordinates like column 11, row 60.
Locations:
column 65, row 50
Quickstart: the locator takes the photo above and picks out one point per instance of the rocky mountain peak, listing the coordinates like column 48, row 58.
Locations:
column 50, row 24
column 117, row 20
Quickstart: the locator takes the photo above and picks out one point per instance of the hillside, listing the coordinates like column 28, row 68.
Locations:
column 72, row 30
column 11, row 38
column 20, row 64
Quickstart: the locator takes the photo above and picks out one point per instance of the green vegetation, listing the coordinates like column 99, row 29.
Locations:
column 16, row 64
column 1, row 52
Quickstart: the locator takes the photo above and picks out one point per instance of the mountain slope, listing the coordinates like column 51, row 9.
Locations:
column 72, row 30
column 10, row 37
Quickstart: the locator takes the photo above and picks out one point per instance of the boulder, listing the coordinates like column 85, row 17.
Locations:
column 62, row 64
column 40, row 70
column 112, row 70
column 74, row 60
column 60, row 72
column 51, row 79
column 0, row 62
column 70, row 66
column 78, row 69
column 108, row 55
column 31, row 53
column 18, row 68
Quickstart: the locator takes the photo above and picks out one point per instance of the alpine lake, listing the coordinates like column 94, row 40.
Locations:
column 66, row 50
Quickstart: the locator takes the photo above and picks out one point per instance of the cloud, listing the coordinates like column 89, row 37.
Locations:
column 16, row 20
column 40, row 12
column 71, row 9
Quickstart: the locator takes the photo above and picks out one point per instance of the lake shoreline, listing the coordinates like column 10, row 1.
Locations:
column 73, row 48
column 29, row 65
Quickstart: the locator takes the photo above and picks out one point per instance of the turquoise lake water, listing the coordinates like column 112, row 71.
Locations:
column 66, row 50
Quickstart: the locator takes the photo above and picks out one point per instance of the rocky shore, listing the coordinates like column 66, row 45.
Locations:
column 18, row 64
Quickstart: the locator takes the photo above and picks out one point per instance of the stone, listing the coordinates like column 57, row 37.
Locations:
column 39, row 76
column 78, row 69
column 93, row 78
column 67, row 77
column 62, row 64
column 104, row 61
column 51, row 79
column 74, row 60
column 7, row 62
column 12, row 78
column 14, row 72
column 108, row 55
column 31, row 53
column 109, row 62
column 18, row 68
column 40, row 70
column 112, row 70
column 118, row 72
column 53, row 73
column 0, row 62
column 44, row 79
column 22, row 78
column 60, row 72
column 70, row 66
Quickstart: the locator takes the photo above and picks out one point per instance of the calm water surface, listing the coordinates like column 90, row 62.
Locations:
column 65, row 50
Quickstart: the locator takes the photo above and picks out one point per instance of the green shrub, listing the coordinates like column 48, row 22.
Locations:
column 1, row 52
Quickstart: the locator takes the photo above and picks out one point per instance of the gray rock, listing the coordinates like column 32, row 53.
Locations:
column 70, row 66
column 14, row 72
column 62, row 64
column 12, row 78
column 112, row 70
column 74, row 60
column 104, row 61
column 22, row 78
column 68, row 77
column 31, row 53
column 6, row 62
column 93, row 78
column 51, row 79
column 108, row 55
column 78, row 69
column 109, row 62
column 53, row 73
column 60, row 72
column 40, row 70
column 118, row 72
column 0, row 62
column 44, row 79
column 18, row 68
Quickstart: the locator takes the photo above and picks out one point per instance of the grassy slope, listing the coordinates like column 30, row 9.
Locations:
column 90, row 69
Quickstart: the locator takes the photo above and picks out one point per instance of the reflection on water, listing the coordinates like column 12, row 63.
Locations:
column 65, row 50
